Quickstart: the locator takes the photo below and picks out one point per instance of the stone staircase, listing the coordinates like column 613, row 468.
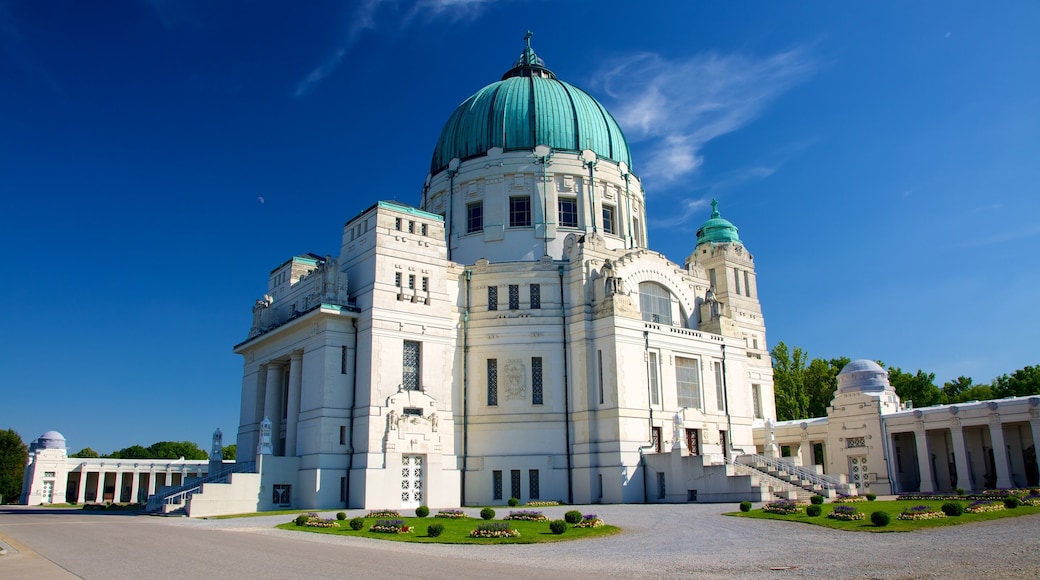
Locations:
column 788, row 479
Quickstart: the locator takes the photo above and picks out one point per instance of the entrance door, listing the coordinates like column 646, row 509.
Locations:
column 48, row 492
column 725, row 447
column 858, row 471
column 411, row 481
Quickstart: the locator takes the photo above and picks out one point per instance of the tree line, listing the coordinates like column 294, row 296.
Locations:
column 158, row 450
column 804, row 388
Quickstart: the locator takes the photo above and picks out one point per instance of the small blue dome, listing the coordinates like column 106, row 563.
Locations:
column 51, row 440
column 863, row 376
column 717, row 230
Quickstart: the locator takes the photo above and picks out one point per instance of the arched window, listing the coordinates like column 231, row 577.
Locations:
column 655, row 302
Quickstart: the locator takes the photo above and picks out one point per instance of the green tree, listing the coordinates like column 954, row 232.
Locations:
column 955, row 389
column 918, row 387
column 176, row 450
column 230, row 451
column 86, row 452
column 792, row 401
column 1021, row 383
column 133, row 452
column 13, row 456
column 820, row 380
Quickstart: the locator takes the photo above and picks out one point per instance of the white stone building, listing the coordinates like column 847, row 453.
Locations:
column 513, row 336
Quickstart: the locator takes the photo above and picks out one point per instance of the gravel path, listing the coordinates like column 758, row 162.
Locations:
column 695, row 540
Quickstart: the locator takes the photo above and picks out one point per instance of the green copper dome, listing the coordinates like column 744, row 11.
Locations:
column 529, row 107
column 717, row 229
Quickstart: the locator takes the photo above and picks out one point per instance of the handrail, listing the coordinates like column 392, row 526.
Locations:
column 824, row 481
column 172, row 494
column 773, row 480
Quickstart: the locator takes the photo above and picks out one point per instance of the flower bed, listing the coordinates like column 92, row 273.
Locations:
column 982, row 506
column 589, row 521
column 495, row 530
column 846, row 513
column 783, row 507
column 548, row 503
column 1031, row 499
column 842, row 498
column 452, row 514
column 920, row 512
column 390, row 527
column 316, row 522
column 526, row 515
column 384, row 514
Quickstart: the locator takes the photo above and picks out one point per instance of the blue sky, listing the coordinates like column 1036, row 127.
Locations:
column 159, row 158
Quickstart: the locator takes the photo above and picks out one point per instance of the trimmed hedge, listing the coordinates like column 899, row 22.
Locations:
column 572, row 517
column 952, row 508
column 434, row 530
column 813, row 510
column 422, row 511
column 357, row 523
column 487, row 513
column 745, row 506
column 880, row 519
column 557, row 527
column 816, row 499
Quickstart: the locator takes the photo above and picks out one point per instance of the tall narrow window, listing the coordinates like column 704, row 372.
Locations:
column 712, row 280
column 736, row 281
column 342, row 360
column 599, row 369
column 342, row 434
column 655, row 382
column 520, row 211
column 688, row 382
column 637, row 232
column 536, row 296
column 660, row 485
column 655, row 303
column 747, row 284
column 568, row 212
column 422, row 229
column 492, row 382
column 411, row 365
column 514, row 483
column 609, row 220
column 397, row 224
column 397, row 279
column 496, row 484
column 514, row 296
column 536, row 380
column 425, row 284
column 492, row 297
column 474, row 217
column 411, row 281
column 756, row 400
column 533, row 487
column 693, row 442
column 720, row 390
column 411, row 227
column 655, row 438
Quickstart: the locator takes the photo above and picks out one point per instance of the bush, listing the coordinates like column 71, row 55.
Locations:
column 745, row 506
column 1012, row 502
column 487, row 513
column 302, row 519
column 434, row 530
column 952, row 508
column 880, row 519
column 513, row 502
column 357, row 523
column 422, row 511
column 816, row 499
column 341, row 516
column 871, row 496
column 572, row 517
column 960, row 491
column 557, row 527
column 813, row 510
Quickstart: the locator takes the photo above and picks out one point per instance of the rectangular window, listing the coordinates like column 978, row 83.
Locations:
column 536, row 380
column 655, row 438
column 536, row 296
column 520, row 211
column 492, row 382
column 496, row 484
column 711, row 279
column 342, row 360
column 397, row 224
column 747, row 284
column 342, row 434
column 474, row 217
column 599, row 485
column 411, row 366
column 425, row 284
column 609, row 220
column 720, row 390
column 533, row 491
column 660, row 485
column 688, row 382
column 599, row 373
column 568, row 212
column 693, row 442
column 736, row 281
column 492, row 297
column 343, row 489
column 756, row 400
column 411, row 227
column 514, row 297
column 637, row 232
column 422, row 229
column 397, row 279
column 411, row 281
column 514, row 483
column 655, row 384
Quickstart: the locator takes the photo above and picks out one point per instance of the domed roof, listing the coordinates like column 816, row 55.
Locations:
column 717, row 229
column 863, row 375
column 51, row 440
column 529, row 107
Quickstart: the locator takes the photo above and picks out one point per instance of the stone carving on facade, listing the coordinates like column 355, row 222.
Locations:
column 263, row 315
column 334, row 288
column 515, row 378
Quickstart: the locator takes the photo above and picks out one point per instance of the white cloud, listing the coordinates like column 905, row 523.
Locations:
column 364, row 18
column 1003, row 238
column 687, row 209
column 675, row 107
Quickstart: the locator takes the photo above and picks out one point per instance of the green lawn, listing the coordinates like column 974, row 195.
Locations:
column 456, row 531
column 894, row 508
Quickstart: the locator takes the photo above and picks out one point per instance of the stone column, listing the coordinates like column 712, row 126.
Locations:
column 960, row 452
column 100, row 497
column 135, row 486
column 151, row 481
column 996, row 436
column 1034, row 425
column 293, row 415
column 272, row 397
column 924, row 463
column 81, row 496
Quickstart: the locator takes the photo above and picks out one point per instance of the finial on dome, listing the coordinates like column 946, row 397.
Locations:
column 529, row 64
column 715, row 208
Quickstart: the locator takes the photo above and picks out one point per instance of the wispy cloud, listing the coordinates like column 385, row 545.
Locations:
column 677, row 106
column 688, row 209
column 369, row 15
column 1002, row 238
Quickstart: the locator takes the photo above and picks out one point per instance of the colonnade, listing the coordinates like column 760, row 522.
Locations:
column 273, row 402
column 172, row 473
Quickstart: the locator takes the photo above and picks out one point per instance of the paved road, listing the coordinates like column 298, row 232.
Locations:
column 687, row 540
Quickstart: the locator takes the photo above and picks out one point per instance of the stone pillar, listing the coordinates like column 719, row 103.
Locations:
column 81, row 496
column 293, row 415
column 996, row 436
column 135, row 486
column 151, row 481
column 960, row 452
column 272, row 397
column 1034, row 425
column 924, row 460
column 100, row 497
